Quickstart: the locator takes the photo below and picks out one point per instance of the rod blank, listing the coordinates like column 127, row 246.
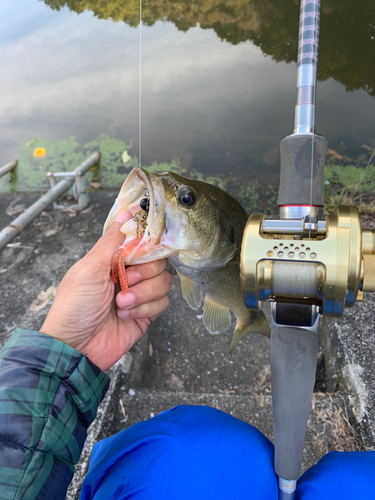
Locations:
column 307, row 63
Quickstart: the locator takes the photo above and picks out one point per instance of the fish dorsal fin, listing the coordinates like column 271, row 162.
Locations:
column 216, row 318
column 191, row 292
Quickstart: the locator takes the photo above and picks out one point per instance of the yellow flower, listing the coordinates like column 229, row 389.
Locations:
column 38, row 152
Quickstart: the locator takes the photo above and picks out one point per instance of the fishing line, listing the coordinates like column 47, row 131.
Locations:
column 312, row 172
column 307, row 61
column 315, row 52
column 140, row 88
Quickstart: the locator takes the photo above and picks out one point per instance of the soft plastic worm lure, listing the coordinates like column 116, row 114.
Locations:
column 118, row 272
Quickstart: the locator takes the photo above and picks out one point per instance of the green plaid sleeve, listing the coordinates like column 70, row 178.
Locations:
column 49, row 395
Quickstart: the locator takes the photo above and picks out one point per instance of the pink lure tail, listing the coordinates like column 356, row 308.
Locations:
column 118, row 272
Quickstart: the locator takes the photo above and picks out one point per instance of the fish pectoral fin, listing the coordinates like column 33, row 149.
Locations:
column 260, row 325
column 216, row 318
column 191, row 292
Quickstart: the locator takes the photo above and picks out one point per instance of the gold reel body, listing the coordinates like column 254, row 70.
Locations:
column 327, row 264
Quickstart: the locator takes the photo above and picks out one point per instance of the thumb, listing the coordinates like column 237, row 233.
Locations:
column 108, row 244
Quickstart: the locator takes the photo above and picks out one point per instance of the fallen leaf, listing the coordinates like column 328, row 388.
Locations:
column 196, row 331
column 51, row 232
column 46, row 214
column 122, row 407
column 69, row 211
column 337, row 156
column 24, row 282
column 18, row 245
column 364, row 146
column 43, row 298
column 150, row 350
column 87, row 210
column 14, row 209
column 226, row 391
column 264, row 375
column 174, row 383
column 260, row 400
column 96, row 185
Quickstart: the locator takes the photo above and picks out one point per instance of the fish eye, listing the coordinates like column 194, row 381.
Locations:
column 186, row 198
column 145, row 204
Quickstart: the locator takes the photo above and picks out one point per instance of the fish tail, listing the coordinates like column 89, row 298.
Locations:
column 260, row 325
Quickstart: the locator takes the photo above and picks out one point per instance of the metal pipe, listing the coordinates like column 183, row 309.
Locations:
column 8, row 168
column 20, row 223
column 307, row 63
column 290, row 226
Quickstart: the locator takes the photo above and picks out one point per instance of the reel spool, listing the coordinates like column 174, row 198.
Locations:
column 323, row 265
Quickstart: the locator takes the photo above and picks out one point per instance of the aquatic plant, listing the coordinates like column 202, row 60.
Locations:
column 173, row 166
column 64, row 156
column 111, row 169
column 60, row 156
column 347, row 181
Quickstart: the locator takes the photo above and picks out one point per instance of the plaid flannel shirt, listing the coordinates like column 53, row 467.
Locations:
column 49, row 395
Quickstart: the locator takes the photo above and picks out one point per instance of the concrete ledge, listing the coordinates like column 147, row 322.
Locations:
column 328, row 428
column 178, row 362
column 349, row 345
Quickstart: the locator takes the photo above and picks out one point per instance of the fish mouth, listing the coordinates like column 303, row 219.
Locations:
column 139, row 185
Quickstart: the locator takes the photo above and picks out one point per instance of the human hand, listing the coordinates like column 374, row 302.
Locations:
column 84, row 314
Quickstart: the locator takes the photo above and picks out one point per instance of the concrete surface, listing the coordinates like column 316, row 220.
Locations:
column 47, row 249
column 325, row 430
column 349, row 344
column 178, row 362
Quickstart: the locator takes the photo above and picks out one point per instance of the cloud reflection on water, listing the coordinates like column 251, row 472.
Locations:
column 214, row 105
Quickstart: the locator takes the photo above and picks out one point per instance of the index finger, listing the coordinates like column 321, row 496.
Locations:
column 141, row 272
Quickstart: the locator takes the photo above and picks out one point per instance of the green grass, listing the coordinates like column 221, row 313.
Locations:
column 350, row 182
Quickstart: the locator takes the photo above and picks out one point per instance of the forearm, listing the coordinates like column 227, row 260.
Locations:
column 49, row 394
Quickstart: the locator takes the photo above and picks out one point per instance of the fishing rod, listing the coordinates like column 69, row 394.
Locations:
column 307, row 264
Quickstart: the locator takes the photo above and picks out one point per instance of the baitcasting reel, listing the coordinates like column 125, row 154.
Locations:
column 307, row 266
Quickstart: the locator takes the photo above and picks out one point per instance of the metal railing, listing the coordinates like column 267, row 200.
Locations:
column 20, row 223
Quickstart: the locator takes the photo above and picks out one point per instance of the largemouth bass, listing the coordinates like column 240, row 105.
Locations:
column 198, row 228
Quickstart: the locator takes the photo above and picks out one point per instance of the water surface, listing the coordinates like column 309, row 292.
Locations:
column 218, row 80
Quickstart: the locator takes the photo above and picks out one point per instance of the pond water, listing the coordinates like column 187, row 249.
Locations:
column 218, row 84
